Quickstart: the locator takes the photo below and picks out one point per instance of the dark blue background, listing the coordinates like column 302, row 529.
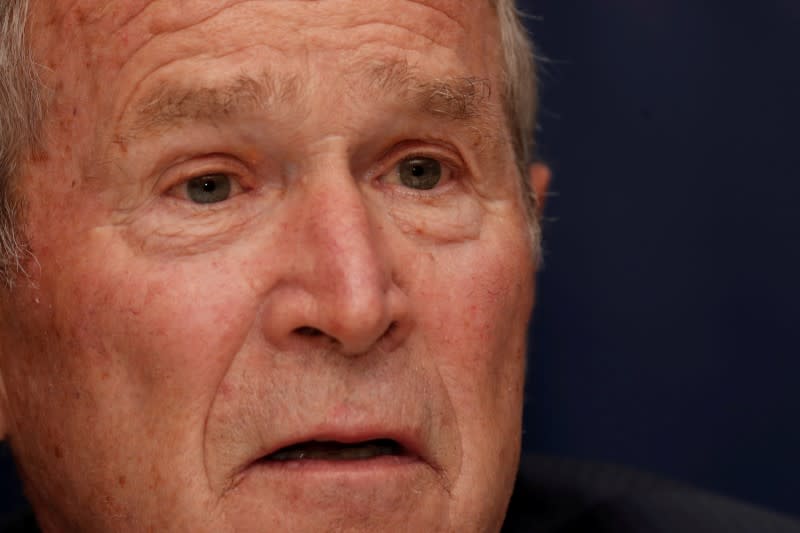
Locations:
column 666, row 332
column 665, row 335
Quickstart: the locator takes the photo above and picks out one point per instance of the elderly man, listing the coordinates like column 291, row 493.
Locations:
column 268, row 265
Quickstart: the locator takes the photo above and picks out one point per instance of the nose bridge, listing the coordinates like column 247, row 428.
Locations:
column 344, row 240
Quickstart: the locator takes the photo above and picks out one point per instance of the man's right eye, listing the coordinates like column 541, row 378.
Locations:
column 208, row 189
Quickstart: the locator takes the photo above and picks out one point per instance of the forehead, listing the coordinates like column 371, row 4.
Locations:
column 104, row 18
column 113, row 38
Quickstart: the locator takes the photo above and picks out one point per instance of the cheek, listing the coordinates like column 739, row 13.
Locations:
column 475, row 323
column 129, row 352
column 475, row 317
column 155, row 337
column 180, row 322
column 136, row 353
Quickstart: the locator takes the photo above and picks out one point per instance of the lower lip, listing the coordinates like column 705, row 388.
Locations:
column 322, row 489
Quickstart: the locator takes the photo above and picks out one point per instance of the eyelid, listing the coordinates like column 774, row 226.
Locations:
column 179, row 174
column 452, row 165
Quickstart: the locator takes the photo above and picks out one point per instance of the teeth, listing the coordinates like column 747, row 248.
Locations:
column 335, row 451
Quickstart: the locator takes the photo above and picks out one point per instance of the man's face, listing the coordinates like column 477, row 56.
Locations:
column 282, row 273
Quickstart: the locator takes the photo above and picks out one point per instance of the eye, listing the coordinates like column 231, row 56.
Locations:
column 419, row 172
column 209, row 189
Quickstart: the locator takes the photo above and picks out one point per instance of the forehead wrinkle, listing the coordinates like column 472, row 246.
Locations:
column 441, row 6
column 117, row 15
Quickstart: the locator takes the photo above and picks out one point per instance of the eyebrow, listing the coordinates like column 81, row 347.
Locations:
column 457, row 98
column 173, row 103
column 463, row 99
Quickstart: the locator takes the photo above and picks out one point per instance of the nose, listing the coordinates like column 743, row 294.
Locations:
column 337, row 286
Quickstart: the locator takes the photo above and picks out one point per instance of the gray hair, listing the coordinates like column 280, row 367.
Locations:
column 21, row 115
column 20, row 125
column 520, row 81
column 521, row 101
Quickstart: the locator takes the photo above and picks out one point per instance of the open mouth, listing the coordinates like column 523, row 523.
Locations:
column 338, row 451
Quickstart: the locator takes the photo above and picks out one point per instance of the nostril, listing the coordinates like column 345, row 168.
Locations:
column 308, row 331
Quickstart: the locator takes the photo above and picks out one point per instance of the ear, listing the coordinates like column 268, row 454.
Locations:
column 539, row 175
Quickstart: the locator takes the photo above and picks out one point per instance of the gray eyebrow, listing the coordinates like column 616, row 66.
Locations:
column 172, row 104
column 457, row 98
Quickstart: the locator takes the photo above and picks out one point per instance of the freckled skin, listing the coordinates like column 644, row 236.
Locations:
column 156, row 350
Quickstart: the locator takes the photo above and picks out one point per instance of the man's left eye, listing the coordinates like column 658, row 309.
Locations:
column 419, row 172
column 209, row 189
